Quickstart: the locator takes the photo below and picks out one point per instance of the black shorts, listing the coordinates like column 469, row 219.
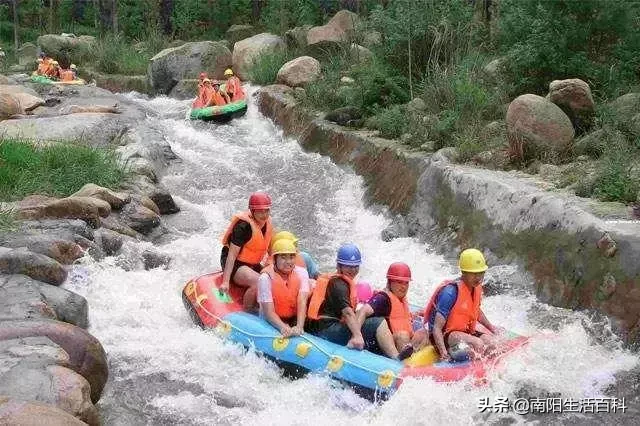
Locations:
column 237, row 264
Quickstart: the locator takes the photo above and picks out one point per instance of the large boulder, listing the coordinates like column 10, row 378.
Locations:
column 359, row 53
column 27, row 55
column 171, row 65
column 37, row 266
column 65, row 49
column 115, row 199
column 86, row 355
column 246, row 51
column 140, row 218
column 69, row 306
column 26, row 98
column 338, row 30
column 9, row 106
column 23, row 413
column 626, row 106
column 236, row 33
column 22, row 299
column 299, row 71
column 86, row 208
column 596, row 143
column 574, row 97
column 297, row 37
column 539, row 126
column 63, row 251
column 185, row 89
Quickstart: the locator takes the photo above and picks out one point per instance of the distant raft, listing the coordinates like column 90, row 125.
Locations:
column 46, row 80
column 370, row 374
column 220, row 113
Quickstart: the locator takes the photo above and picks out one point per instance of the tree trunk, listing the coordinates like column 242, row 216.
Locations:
column 166, row 10
column 78, row 10
column 256, row 10
column 16, row 41
column 105, row 11
column 114, row 15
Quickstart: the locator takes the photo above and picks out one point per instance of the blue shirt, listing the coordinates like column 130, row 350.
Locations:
column 444, row 303
column 312, row 267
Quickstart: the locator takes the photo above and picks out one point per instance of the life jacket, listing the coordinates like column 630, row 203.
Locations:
column 234, row 87
column 43, row 67
column 466, row 310
column 320, row 292
column 255, row 250
column 284, row 292
column 215, row 98
column 67, row 75
column 201, row 100
column 400, row 317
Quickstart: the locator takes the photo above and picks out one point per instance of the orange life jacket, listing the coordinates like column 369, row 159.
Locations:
column 320, row 292
column 284, row 292
column 215, row 98
column 255, row 250
column 466, row 310
column 67, row 75
column 43, row 67
column 400, row 317
column 234, row 87
column 201, row 100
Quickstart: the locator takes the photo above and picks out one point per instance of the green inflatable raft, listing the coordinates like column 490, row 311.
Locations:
column 46, row 80
column 220, row 113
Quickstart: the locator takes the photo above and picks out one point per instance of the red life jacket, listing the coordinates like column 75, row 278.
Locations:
column 255, row 250
column 320, row 292
column 284, row 292
column 466, row 310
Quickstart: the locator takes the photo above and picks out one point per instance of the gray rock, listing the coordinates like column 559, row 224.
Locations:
column 344, row 115
column 27, row 54
column 21, row 299
column 372, row 39
column 68, row 306
column 36, row 266
column 63, row 251
column 117, row 224
column 171, row 65
column 360, row 54
column 574, row 97
column 236, row 33
column 86, row 355
column 626, row 106
column 596, row 143
column 339, row 29
column 109, row 241
column 247, row 51
column 417, row 104
column 23, row 413
column 297, row 37
column 185, row 89
column 67, row 50
column 139, row 218
column 153, row 259
column 116, row 200
column 299, row 72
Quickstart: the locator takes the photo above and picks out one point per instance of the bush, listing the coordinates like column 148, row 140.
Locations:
column 614, row 181
column 57, row 170
column 114, row 55
column 391, row 122
column 595, row 40
column 264, row 69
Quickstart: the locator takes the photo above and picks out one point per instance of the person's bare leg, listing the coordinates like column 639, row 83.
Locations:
column 248, row 278
column 401, row 339
column 477, row 345
column 385, row 340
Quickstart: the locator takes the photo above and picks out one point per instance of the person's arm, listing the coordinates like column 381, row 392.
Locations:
column 228, row 267
column 438, row 336
column 364, row 312
column 303, row 296
column 225, row 96
column 482, row 319
column 349, row 317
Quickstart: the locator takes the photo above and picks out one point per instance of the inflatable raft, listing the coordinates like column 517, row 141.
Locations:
column 46, row 80
column 375, row 374
column 220, row 113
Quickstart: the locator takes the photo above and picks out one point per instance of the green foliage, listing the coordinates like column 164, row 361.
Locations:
column 58, row 169
column 595, row 40
column 114, row 55
column 203, row 20
column 279, row 16
column 264, row 69
column 615, row 181
column 8, row 220
column 391, row 122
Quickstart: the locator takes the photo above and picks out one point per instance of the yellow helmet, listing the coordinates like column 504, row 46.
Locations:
column 73, row 66
column 472, row 260
column 284, row 246
column 228, row 71
column 284, row 235
column 54, row 62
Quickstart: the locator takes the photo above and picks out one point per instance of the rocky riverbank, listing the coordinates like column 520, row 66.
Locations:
column 580, row 255
column 50, row 366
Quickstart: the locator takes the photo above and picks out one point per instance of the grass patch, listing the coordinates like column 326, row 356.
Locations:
column 264, row 69
column 114, row 55
column 56, row 170
column 8, row 220
column 390, row 122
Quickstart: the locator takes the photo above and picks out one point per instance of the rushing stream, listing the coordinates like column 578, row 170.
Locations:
column 164, row 370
